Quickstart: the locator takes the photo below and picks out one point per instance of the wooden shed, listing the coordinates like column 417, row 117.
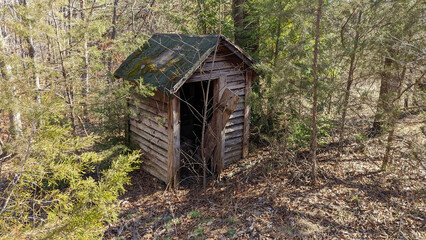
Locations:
column 167, row 126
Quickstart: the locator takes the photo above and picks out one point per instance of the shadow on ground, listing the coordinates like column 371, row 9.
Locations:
column 264, row 201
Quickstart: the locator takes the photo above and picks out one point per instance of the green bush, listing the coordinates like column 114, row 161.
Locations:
column 65, row 191
column 301, row 131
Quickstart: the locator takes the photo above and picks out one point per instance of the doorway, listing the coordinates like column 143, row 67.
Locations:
column 192, row 97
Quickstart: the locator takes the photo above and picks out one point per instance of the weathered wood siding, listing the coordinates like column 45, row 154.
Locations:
column 233, row 69
column 173, row 124
column 148, row 130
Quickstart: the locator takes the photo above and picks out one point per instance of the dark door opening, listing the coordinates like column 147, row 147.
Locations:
column 191, row 113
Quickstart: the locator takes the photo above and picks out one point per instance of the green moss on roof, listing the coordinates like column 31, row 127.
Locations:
column 166, row 59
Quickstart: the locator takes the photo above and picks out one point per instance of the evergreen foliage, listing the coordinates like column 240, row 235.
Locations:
column 63, row 115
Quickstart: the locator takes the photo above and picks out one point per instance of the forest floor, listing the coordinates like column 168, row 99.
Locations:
column 265, row 197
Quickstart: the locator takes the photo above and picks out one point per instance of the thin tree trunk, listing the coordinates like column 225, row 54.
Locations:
column 382, row 104
column 32, row 54
column 31, row 51
column 15, row 116
column 203, row 18
column 85, row 74
column 285, row 148
column 386, row 158
column 68, row 86
column 300, row 104
column 206, row 103
column 349, row 84
column 277, row 41
column 114, row 20
column 113, row 35
column 203, row 133
column 395, row 87
column 243, row 28
column 314, row 107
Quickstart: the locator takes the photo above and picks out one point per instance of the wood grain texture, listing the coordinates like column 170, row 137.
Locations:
column 219, row 152
column 215, row 129
column 155, row 125
column 150, row 127
column 246, row 134
column 148, row 130
column 174, row 142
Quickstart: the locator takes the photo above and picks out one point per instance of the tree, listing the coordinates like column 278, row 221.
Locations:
column 398, row 47
column 246, row 25
column 352, row 65
column 314, row 107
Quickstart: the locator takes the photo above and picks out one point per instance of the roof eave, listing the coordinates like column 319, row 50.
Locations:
column 191, row 71
column 229, row 44
column 239, row 52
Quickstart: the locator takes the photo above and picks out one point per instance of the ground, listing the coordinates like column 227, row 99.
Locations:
column 267, row 197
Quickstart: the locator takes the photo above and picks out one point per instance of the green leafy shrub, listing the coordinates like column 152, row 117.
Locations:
column 64, row 190
column 301, row 131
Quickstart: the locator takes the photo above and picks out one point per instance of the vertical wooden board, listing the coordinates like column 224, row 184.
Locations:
column 220, row 146
column 174, row 142
column 246, row 133
column 176, row 139
column 127, row 132
column 170, row 152
column 215, row 119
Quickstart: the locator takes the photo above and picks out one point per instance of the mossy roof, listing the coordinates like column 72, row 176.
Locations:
column 166, row 61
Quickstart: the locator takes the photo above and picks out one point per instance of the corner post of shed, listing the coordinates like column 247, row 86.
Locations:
column 127, row 126
column 173, row 127
column 246, row 133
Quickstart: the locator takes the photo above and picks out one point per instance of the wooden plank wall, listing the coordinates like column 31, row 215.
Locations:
column 234, row 70
column 173, row 124
column 246, row 133
column 149, row 130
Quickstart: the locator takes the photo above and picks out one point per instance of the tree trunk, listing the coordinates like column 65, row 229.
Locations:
column 113, row 35
column 85, row 74
column 15, row 114
column 245, row 31
column 314, row 107
column 392, row 115
column 114, row 20
column 349, row 84
column 277, row 41
column 32, row 54
column 69, row 90
column 382, row 104
column 285, row 147
column 203, row 17
column 15, row 117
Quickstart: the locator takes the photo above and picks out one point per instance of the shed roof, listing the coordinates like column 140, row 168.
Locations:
column 167, row 60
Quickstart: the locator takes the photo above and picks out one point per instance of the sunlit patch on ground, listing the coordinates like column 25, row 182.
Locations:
column 353, row 200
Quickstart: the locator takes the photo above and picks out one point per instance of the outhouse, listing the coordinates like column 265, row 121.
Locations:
column 191, row 73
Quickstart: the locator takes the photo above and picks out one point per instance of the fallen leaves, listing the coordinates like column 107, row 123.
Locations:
column 353, row 200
